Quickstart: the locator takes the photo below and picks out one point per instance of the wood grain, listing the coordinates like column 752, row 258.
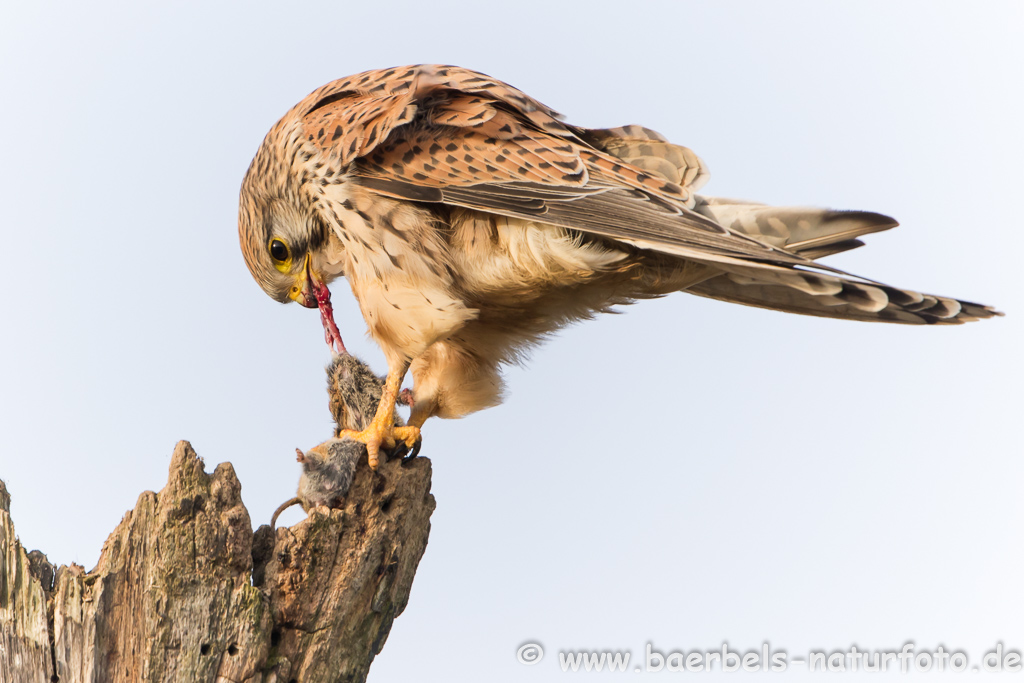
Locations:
column 185, row 591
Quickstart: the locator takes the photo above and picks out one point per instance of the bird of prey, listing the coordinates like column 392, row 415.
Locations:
column 470, row 221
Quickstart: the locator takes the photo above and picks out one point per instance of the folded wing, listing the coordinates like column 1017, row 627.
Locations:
column 442, row 134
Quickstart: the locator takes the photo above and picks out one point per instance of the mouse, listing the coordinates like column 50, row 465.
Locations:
column 327, row 472
column 328, row 468
column 355, row 392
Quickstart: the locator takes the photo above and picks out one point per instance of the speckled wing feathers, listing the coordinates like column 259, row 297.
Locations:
column 484, row 144
column 347, row 131
column 446, row 156
column 562, row 184
column 351, row 116
column 443, row 134
column 650, row 151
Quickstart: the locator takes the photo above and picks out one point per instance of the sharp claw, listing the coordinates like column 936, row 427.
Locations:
column 383, row 434
column 401, row 450
column 414, row 451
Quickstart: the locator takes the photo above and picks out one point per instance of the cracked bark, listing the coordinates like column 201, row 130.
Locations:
column 185, row 591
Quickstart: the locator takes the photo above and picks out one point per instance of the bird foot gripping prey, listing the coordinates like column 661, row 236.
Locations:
column 382, row 433
column 328, row 469
column 363, row 408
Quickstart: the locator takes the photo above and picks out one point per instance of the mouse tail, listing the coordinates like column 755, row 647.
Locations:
column 284, row 506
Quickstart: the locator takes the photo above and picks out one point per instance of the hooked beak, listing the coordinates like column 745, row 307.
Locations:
column 304, row 288
column 310, row 291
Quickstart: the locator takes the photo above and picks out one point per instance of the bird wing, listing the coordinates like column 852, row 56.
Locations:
column 451, row 135
column 443, row 134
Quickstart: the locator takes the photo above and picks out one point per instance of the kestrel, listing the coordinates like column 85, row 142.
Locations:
column 470, row 221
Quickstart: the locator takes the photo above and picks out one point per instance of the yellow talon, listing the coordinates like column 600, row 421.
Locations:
column 380, row 435
column 382, row 432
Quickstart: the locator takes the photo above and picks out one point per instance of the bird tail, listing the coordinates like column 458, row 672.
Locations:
column 811, row 233
column 815, row 233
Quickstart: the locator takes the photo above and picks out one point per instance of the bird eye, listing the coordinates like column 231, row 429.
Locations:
column 278, row 251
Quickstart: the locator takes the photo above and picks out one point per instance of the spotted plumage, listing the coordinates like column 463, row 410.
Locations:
column 470, row 221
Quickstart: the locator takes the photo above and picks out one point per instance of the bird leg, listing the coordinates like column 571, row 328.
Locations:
column 382, row 432
column 418, row 417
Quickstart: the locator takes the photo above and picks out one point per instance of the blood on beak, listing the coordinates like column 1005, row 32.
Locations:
column 303, row 290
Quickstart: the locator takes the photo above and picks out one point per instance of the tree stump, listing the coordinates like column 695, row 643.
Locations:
column 185, row 591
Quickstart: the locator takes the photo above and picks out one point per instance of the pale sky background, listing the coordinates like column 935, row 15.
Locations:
column 809, row 483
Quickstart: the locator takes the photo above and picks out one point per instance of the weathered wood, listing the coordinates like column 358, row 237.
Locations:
column 337, row 580
column 24, row 638
column 173, row 597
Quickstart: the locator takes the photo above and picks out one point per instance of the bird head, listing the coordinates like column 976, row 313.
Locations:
column 284, row 247
column 290, row 250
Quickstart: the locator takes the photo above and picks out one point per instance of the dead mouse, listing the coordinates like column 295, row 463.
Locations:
column 355, row 392
column 327, row 471
column 328, row 468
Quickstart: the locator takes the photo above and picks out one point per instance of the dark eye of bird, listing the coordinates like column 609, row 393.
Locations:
column 278, row 250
